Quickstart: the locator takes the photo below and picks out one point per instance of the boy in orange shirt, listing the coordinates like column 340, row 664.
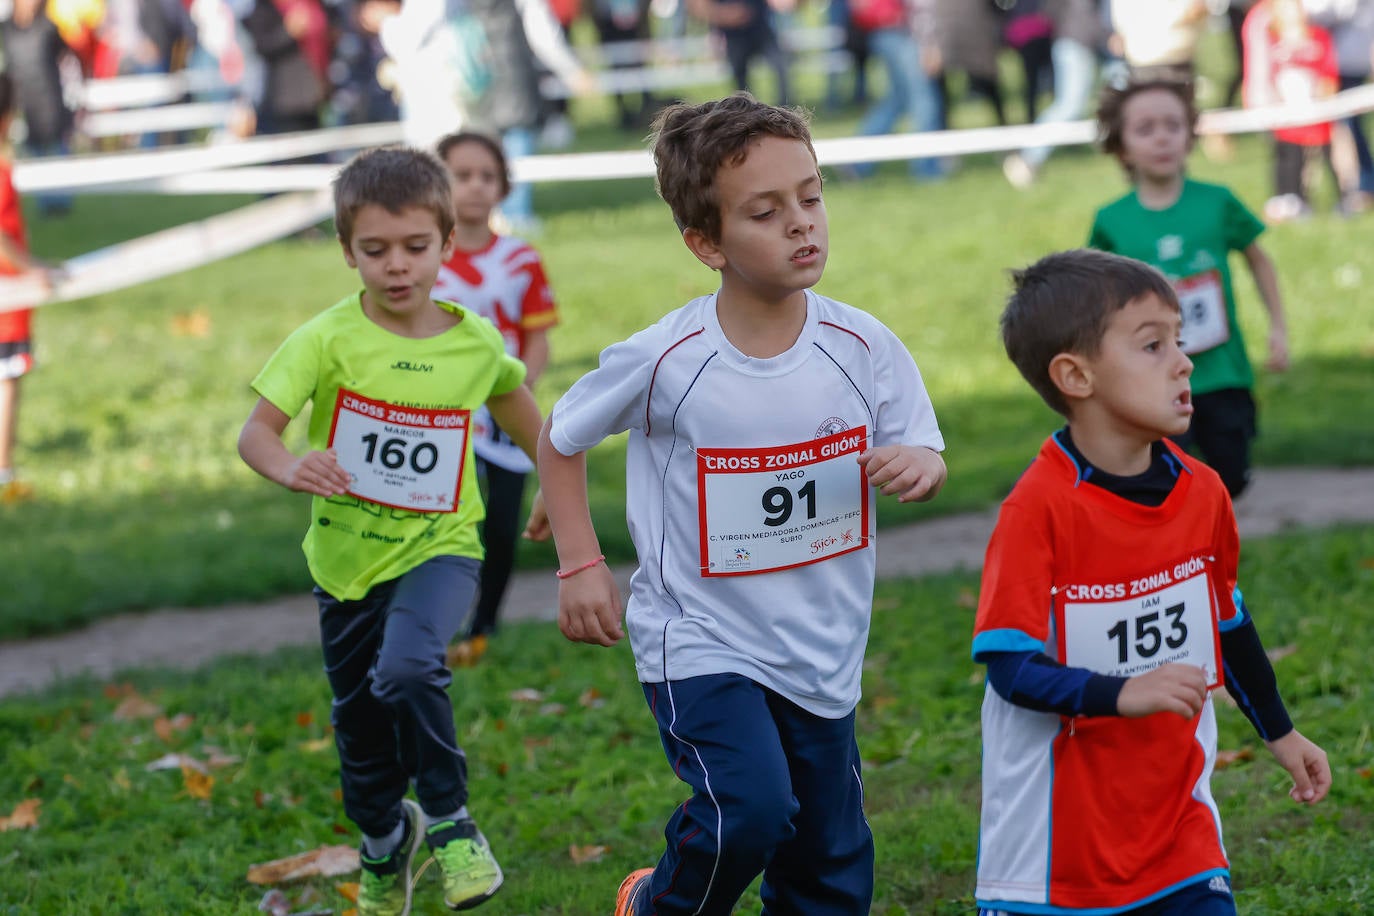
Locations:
column 1108, row 612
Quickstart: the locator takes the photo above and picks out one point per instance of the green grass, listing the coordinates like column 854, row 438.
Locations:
column 128, row 428
column 114, row 838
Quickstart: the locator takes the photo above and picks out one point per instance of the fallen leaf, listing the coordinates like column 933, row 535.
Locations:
column 318, row 744
column 526, row 695
column 341, row 830
column 581, row 855
column 324, row 862
column 217, row 759
column 348, row 890
column 1365, row 772
column 966, row 599
column 260, row 798
column 121, row 780
column 274, row 903
column 1226, row 758
column 552, row 709
column 33, row 785
column 198, row 784
column 24, row 816
column 591, row 698
column 304, row 719
column 136, row 707
column 1280, row 652
column 114, row 691
column 176, row 762
column 166, row 728
column 191, row 324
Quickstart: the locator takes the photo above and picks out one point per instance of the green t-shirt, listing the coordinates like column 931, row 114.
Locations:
column 1190, row 243
column 355, row 543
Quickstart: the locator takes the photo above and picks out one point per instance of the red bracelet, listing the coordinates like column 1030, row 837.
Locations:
column 568, row 573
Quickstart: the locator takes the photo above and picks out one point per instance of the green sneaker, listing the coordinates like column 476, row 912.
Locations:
column 471, row 875
column 385, row 884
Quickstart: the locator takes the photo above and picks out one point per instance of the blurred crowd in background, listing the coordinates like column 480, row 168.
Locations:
column 511, row 66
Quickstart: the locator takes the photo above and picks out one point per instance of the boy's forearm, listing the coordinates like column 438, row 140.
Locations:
column 263, row 451
column 563, row 481
column 1267, row 282
column 517, row 413
column 535, row 357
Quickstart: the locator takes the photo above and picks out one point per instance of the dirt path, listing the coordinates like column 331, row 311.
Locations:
column 1279, row 499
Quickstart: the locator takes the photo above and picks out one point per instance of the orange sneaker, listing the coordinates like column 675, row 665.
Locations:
column 625, row 897
column 16, row 491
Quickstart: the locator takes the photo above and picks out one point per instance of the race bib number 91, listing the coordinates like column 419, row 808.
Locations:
column 766, row 509
column 403, row 457
column 1162, row 618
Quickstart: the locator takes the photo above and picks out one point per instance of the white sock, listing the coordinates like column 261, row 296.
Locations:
column 460, row 815
column 378, row 847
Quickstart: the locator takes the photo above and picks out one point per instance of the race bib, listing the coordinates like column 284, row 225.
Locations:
column 403, row 457
column 1204, row 312
column 765, row 509
column 1169, row 616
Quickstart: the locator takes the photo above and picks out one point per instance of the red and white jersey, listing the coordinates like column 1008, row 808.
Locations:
column 750, row 516
column 1101, row 813
column 504, row 283
column 14, row 325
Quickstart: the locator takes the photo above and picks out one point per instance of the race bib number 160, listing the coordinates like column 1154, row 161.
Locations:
column 765, row 509
column 404, row 457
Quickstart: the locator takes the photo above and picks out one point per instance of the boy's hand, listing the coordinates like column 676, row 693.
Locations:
column 1175, row 688
column 1278, row 351
column 589, row 607
column 1306, row 763
column 318, row 473
column 537, row 528
column 913, row 472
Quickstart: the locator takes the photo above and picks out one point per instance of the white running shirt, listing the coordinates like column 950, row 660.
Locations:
column 680, row 386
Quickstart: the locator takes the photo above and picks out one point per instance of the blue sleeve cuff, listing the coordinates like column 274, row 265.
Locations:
column 1004, row 641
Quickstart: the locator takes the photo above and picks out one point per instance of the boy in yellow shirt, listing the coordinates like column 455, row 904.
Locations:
column 394, row 378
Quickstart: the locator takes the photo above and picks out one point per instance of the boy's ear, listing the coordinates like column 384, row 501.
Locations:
column 1072, row 375
column 707, row 251
column 447, row 251
column 348, row 255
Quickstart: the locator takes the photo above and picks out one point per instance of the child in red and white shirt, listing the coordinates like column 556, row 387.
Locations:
column 1289, row 61
column 502, row 279
column 16, row 345
column 1108, row 613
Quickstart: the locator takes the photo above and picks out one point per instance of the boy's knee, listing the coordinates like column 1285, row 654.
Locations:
column 758, row 821
column 397, row 678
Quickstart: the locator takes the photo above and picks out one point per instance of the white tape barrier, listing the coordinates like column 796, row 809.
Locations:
column 840, row 151
column 188, row 116
column 199, row 243
column 74, row 173
column 674, row 76
column 146, row 89
column 795, row 39
column 172, row 250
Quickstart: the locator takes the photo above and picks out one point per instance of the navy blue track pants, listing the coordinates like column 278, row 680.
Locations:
column 393, row 721
column 775, row 790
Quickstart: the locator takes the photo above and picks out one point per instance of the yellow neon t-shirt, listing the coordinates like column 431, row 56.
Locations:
column 354, row 543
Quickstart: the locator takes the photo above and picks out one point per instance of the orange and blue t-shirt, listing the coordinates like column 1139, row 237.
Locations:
column 1102, row 813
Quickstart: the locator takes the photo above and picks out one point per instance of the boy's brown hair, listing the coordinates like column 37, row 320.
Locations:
column 692, row 142
column 489, row 143
column 392, row 177
column 1111, row 106
column 1062, row 304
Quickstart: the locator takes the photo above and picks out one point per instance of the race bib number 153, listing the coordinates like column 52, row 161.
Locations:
column 1152, row 626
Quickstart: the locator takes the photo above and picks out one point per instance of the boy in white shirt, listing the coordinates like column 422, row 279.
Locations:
column 761, row 417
